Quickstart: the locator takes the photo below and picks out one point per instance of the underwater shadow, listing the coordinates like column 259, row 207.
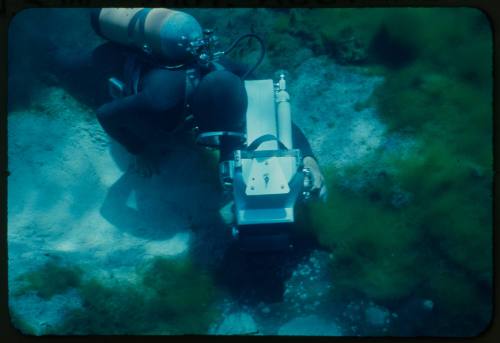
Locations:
column 173, row 201
column 257, row 277
column 120, row 210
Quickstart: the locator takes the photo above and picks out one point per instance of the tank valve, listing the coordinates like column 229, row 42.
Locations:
column 204, row 48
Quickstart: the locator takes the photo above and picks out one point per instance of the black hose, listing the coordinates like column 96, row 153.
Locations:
column 262, row 51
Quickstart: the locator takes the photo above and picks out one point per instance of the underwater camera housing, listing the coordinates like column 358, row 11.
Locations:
column 266, row 178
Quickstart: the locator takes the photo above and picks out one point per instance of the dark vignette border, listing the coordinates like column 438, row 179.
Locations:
column 8, row 9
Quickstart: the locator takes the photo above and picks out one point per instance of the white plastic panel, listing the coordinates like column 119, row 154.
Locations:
column 266, row 177
column 261, row 113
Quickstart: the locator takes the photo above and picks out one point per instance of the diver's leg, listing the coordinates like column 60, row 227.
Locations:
column 310, row 162
column 86, row 73
column 105, row 59
column 141, row 118
column 126, row 121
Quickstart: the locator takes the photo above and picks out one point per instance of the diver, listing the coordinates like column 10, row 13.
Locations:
column 164, row 76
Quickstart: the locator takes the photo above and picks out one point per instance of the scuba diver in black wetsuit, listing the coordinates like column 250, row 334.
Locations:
column 164, row 76
column 159, row 78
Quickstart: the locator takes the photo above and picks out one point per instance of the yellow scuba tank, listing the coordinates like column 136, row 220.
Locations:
column 160, row 32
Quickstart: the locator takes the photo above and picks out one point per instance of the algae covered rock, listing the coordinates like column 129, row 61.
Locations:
column 307, row 289
column 310, row 326
column 240, row 323
column 324, row 97
column 377, row 316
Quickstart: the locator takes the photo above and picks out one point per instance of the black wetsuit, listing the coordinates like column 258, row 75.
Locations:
column 161, row 101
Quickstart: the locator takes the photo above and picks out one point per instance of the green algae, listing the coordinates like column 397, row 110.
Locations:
column 181, row 288
column 20, row 324
column 440, row 240
column 438, row 91
column 165, row 296
column 51, row 279
column 170, row 297
column 437, row 64
column 115, row 309
column 372, row 245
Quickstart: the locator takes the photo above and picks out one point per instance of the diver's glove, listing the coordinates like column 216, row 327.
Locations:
column 318, row 186
column 146, row 163
column 226, row 213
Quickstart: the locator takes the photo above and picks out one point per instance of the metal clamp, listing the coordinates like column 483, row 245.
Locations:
column 308, row 183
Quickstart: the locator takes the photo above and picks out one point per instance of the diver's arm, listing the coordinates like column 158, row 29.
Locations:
column 84, row 74
column 117, row 119
column 309, row 160
column 132, row 120
column 300, row 142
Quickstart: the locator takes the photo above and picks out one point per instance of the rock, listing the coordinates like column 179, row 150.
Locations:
column 239, row 323
column 400, row 198
column 323, row 92
column 428, row 304
column 307, row 288
column 376, row 315
column 350, row 49
column 412, row 308
column 43, row 314
column 310, row 326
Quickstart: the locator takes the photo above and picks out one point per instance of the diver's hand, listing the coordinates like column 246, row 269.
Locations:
column 145, row 164
column 226, row 213
column 318, row 179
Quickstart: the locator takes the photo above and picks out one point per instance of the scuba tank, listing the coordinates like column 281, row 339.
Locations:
column 159, row 32
column 173, row 39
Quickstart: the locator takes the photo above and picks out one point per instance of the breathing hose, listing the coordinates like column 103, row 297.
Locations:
column 262, row 51
column 233, row 45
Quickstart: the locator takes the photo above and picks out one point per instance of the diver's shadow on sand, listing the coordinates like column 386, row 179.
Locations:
column 158, row 207
column 130, row 203
column 122, row 209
